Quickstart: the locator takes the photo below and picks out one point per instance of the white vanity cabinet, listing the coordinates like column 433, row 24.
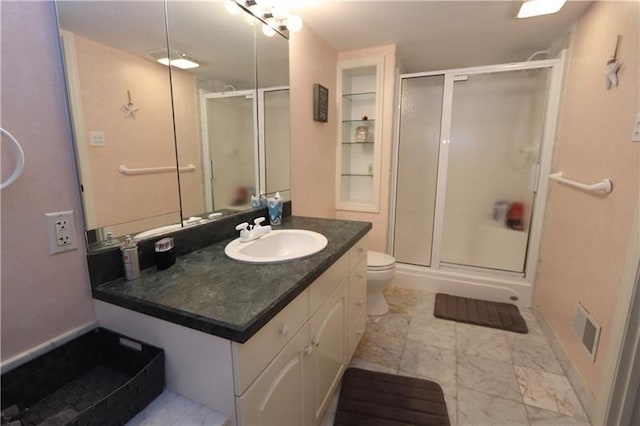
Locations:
column 307, row 371
column 287, row 372
column 327, row 361
column 357, row 295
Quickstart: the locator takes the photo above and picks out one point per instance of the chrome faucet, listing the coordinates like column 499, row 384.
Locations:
column 252, row 232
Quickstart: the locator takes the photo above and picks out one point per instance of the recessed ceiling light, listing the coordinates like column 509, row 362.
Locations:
column 182, row 63
column 531, row 8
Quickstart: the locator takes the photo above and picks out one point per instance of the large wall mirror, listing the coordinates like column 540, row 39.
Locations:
column 180, row 110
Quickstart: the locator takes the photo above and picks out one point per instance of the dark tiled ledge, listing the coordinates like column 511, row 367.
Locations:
column 209, row 292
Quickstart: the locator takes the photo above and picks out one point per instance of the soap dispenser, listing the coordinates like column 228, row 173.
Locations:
column 275, row 209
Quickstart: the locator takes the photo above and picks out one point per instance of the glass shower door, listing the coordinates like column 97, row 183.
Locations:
column 230, row 129
column 418, row 150
column 497, row 121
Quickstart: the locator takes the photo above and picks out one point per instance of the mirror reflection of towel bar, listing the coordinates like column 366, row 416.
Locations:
column 149, row 170
column 603, row 187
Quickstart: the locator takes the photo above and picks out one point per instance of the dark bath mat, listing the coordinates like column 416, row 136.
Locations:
column 379, row 399
column 504, row 316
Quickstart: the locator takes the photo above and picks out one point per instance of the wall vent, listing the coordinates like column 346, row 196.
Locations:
column 587, row 330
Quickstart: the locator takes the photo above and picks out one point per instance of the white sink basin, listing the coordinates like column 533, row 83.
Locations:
column 277, row 246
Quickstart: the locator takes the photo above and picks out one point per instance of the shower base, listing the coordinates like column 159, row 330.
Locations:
column 493, row 287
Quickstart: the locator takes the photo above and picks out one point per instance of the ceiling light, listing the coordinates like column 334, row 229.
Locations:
column 293, row 23
column 531, row 8
column 180, row 60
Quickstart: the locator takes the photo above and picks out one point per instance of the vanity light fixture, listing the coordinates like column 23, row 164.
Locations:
column 273, row 15
column 530, row 8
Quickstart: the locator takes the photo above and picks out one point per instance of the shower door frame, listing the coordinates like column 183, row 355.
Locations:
column 552, row 103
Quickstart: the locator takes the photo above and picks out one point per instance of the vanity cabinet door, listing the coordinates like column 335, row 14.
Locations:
column 276, row 398
column 327, row 361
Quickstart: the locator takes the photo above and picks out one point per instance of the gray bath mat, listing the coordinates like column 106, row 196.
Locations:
column 380, row 399
column 504, row 316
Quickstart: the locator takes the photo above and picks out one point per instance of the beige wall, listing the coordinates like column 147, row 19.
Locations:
column 313, row 144
column 379, row 233
column 586, row 237
column 43, row 296
column 105, row 75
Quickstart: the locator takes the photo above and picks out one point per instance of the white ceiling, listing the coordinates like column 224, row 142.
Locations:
column 434, row 35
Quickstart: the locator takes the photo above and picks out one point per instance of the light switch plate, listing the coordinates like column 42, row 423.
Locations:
column 61, row 232
column 97, row 139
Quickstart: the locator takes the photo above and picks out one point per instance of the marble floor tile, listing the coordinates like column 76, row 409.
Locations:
column 488, row 376
column 479, row 409
column 395, row 323
column 549, row 391
column 540, row 417
column 535, row 355
column 170, row 409
column 482, row 341
column 429, row 362
column 380, row 349
column 365, row 365
column 433, row 332
column 535, row 334
column 406, row 298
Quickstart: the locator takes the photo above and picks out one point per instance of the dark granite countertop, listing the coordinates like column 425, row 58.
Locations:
column 207, row 291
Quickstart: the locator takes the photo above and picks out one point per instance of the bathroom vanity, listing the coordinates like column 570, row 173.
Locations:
column 260, row 343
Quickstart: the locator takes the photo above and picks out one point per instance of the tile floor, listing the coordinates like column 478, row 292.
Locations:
column 489, row 377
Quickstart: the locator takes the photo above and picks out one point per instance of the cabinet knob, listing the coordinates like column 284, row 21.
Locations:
column 360, row 276
column 283, row 330
column 360, row 250
column 315, row 342
column 360, row 303
column 308, row 350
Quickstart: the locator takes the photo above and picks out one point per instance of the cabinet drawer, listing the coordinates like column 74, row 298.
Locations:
column 355, row 334
column 327, row 283
column 251, row 357
column 357, row 253
column 357, row 292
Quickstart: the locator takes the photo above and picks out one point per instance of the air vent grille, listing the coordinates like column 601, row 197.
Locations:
column 587, row 330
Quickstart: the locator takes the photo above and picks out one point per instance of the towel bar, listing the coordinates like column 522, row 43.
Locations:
column 604, row 187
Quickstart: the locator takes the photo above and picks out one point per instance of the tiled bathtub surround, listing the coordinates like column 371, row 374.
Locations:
column 489, row 377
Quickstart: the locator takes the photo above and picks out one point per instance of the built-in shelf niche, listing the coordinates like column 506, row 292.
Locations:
column 358, row 152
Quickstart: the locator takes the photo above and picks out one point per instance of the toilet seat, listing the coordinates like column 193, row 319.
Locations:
column 377, row 261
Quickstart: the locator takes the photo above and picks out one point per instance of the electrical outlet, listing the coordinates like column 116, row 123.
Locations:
column 61, row 232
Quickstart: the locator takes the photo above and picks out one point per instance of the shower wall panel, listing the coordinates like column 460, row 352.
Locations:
column 420, row 117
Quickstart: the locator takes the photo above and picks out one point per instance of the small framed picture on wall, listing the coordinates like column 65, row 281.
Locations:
column 320, row 103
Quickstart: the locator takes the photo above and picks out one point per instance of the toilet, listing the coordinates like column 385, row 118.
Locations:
column 380, row 270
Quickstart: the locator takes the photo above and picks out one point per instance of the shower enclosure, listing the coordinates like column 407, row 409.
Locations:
column 473, row 152
column 245, row 147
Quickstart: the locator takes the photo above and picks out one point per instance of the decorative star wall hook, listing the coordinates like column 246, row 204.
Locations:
column 613, row 65
column 129, row 108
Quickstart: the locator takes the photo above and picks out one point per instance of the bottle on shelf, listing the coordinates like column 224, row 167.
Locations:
column 362, row 132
